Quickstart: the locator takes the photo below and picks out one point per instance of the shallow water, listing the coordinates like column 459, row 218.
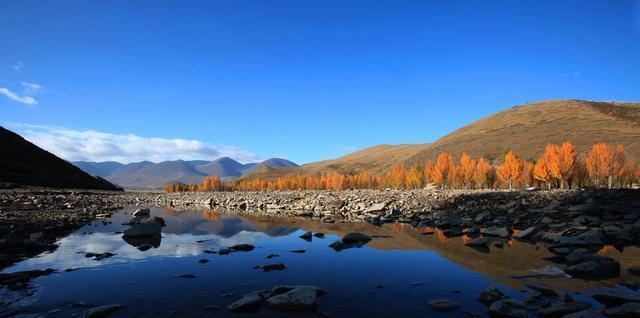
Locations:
column 414, row 267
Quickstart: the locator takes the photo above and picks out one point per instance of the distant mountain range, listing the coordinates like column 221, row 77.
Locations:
column 526, row 129
column 149, row 175
column 25, row 164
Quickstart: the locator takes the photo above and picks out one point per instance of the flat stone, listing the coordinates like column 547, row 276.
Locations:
column 594, row 269
column 559, row 310
column 628, row 310
column 248, row 302
column 273, row 267
column 507, row 309
column 524, row 234
column 101, row 311
column 298, row 298
column 479, row 241
column 243, row 247
column 443, row 305
column 615, row 299
column 496, row 231
column 589, row 313
column 544, row 290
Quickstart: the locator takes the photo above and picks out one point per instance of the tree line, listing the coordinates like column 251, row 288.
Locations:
column 559, row 167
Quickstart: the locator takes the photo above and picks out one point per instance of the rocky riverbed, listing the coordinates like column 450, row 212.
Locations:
column 571, row 229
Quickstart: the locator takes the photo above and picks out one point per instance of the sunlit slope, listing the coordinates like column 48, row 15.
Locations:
column 527, row 129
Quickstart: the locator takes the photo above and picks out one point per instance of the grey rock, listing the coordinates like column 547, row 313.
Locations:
column 491, row 295
column 248, row 302
column 559, row 310
column 496, row 231
column 589, row 313
column 444, row 304
column 148, row 227
column 507, row 309
column 101, row 311
column 595, row 269
column 628, row 310
column 525, row 234
column 298, row 298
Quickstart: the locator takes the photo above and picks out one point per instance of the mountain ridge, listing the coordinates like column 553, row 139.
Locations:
column 149, row 175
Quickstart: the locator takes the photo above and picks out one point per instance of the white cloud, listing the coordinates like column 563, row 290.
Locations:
column 18, row 66
column 91, row 145
column 31, row 88
column 28, row 100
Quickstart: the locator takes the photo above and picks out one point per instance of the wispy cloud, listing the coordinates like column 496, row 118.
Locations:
column 91, row 145
column 28, row 100
column 31, row 88
column 18, row 66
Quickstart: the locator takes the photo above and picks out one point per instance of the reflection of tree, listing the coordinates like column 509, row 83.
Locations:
column 210, row 215
column 606, row 249
column 441, row 237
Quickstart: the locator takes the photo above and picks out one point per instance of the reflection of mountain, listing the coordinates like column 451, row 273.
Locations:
column 210, row 222
column 514, row 259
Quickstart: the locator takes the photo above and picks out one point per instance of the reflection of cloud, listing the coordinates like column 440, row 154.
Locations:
column 71, row 250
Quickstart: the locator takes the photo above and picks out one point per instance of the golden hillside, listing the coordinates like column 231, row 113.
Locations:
column 527, row 129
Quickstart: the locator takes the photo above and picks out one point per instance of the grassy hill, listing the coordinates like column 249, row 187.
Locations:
column 527, row 129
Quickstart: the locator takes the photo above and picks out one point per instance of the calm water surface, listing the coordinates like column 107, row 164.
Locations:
column 413, row 267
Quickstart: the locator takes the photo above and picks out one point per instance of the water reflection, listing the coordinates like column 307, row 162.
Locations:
column 414, row 265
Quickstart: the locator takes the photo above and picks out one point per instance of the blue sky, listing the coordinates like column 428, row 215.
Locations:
column 305, row 80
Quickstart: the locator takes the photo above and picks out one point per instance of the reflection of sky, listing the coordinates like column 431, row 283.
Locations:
column 179, row 239
column 70, row 253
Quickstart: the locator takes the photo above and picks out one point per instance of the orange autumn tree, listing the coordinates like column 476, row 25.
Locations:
column 511, row 170
column 482, row 173
column 440, row 172
column 527, row 178
column 467, row 169
column 561, row 161
column 396, row 177
column 211, row 183
column 605, row 164
column 413, row 177
column 541, row 172
column 427, row 172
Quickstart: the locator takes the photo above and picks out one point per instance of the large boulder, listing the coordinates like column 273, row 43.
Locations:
column 297, row 298
column 149, row 227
